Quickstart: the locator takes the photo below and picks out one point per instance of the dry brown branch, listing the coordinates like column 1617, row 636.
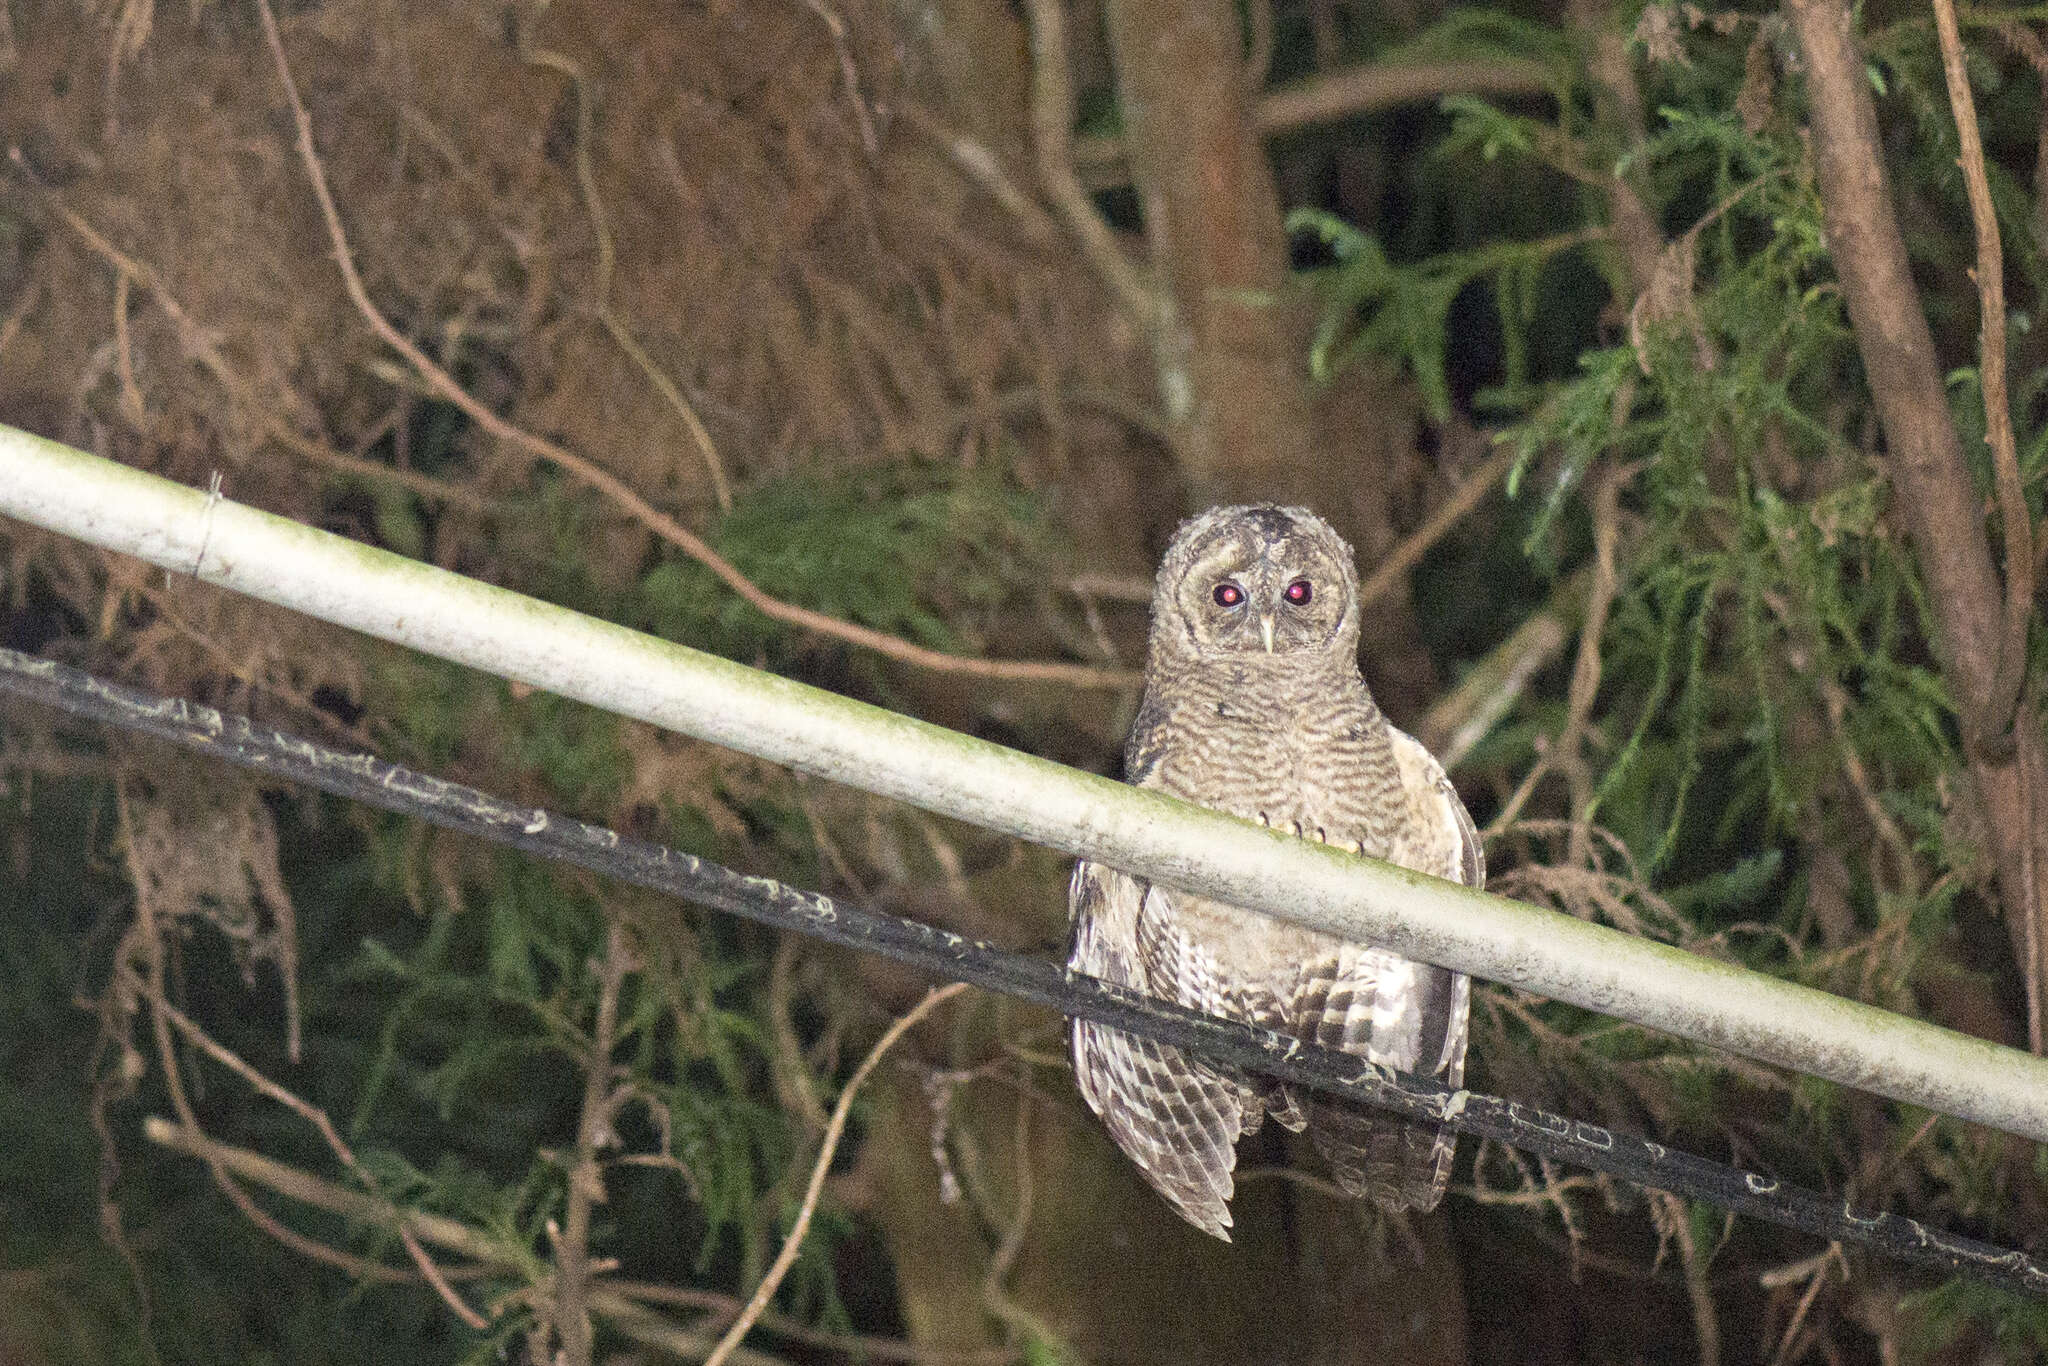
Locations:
column 723, row 1308
column 573, row 1269
column 197, row 341
column 1112, row 587
column 1052, row 126
column 995, row 1295
column 644, row 1326
column 317, row 1117
column 1935, row 498
column 981, row 165
column 601, row 288
column 1365, row 89
column 850, row 74
column 1814, row 1272
column 1674, row 1223
column 1033, row 399
column 1447, row 514
column 138, row 984
column 786, row 1258
column 1464, row 716
column 1563, row 751
column 608, row 1298
column 1342, row 94
column 2005, row 465
column 595, row 477
column 307, row 1189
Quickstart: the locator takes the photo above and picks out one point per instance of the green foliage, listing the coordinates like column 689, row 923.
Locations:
column 2016, row 1324
column 924, row 551
column 1768, row 698
column 1372, row 306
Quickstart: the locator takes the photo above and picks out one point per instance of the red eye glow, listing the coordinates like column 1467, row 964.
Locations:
column 1228, row 595
column 1299, row 592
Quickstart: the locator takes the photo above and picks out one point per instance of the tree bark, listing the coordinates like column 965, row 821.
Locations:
column 1232, row 341
column 1936, row 496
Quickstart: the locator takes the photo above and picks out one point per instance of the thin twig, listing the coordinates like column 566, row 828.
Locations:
column 586, row 1181
column 198, row 342
column 724, row 1307
column 786, row 1258
column 607, row 1296
column 1996, row 718
column 1342, row 94
column 1446, row 515
column 317, row 1117
column 1563, row 751
column 146, row 939
column 850, row 74
column 1351, row 91
column 1674, row 1222
column 1814, row 1271
column 1052, row 126
column 601, row 288
column 610, row 485
column 981, row 165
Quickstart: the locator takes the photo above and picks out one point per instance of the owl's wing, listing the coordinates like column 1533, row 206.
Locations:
column 1410, row 1016
column 1440, row 838
column 1177, row 1118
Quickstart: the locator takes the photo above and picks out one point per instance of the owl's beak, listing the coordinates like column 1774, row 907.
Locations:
column 1266, row 630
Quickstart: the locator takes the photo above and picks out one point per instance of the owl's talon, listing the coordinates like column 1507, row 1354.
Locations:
column 1263, row 820
column 1354, row 847
column 1320, row 837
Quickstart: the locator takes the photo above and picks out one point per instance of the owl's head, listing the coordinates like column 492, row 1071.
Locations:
column 1257, row 580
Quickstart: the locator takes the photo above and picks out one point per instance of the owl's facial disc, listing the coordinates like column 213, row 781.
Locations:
column 1264, row 598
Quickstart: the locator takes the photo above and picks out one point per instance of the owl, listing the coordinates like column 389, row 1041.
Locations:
column 1254, row 705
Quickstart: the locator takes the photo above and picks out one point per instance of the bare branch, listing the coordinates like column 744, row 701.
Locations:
column 610, row 485
column 601, row 290
column 1935, row 498
column 198, row 341
column 981, row 165
column 1674, row 1222
column 1052, row 126
column 1446, row 515
column 1999, row 705
column 786, row 1258
column 1342, row 94
column 586, row 1181
column 1366, row 89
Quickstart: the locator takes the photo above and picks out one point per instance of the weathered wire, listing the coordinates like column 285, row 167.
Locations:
column 367, row 779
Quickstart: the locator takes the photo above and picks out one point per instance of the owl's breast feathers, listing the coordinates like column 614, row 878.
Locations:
column 1317, row 754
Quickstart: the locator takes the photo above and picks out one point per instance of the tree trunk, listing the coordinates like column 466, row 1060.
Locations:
column 1937, row 499
column 1233, row 341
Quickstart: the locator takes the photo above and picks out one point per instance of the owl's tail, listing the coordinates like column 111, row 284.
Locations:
column 1381, row 1157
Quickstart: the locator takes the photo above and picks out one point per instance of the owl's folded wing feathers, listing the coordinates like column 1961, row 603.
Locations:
column 1176, row 1117
column 1399, row 1013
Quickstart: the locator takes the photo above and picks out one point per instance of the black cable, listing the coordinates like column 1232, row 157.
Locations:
column 365, row 778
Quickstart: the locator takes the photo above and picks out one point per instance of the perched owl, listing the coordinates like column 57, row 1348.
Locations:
column 1254, row 705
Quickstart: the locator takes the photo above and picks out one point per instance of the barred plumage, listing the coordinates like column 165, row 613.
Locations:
column 1254, row 705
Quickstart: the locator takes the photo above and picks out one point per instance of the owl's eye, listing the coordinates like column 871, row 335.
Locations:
column 1228, row 595
column 1299, row 592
